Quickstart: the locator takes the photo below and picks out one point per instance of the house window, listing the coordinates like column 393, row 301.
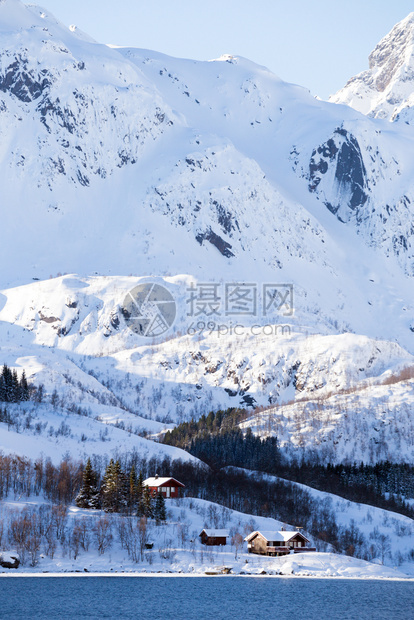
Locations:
column 172, row 490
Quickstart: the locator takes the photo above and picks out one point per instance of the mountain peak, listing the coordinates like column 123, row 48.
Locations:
column 16, row 16
column 385, row 89
column 393, row 51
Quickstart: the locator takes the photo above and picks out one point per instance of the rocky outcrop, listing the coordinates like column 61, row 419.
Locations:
column 23, row 82
column 345, row 188
column 219, row 243
column 9, row 560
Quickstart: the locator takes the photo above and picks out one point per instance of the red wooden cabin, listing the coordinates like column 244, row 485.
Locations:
column 169, row 487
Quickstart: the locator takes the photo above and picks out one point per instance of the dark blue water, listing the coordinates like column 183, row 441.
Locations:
column 204, row 598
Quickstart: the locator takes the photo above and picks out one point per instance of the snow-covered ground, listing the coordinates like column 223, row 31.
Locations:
column 177, row 548
column 390, row 533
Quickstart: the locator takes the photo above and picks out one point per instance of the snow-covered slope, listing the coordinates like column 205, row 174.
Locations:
column 71, row 335
column 127, row 161
column 177, row 547
column 137, row 167
column 385, row 90
column 372, row 422
column 371, row 523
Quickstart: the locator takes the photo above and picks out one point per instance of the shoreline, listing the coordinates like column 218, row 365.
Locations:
column 197, row 575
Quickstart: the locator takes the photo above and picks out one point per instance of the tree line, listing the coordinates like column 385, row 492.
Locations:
column 13, row 389
column 213, row 423
column 218, row 441
column 234, row 448
column 230, row 487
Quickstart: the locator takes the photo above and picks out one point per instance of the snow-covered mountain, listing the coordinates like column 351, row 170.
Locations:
column 126, row 166
column 128, row 161
column 385, row 90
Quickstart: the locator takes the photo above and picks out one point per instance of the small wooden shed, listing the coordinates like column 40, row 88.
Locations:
column 214, row 537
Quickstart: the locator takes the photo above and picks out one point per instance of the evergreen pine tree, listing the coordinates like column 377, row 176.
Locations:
column 160, row 513
column 132, row 492
column 140, row 495
column 24, row 387
column 15, row 387
column 7, row 384
column 147, row 503
column 108, row 488
column 114, row 489
column 123, row 489
column 88, row 496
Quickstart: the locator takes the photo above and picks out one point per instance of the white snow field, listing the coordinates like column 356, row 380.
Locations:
column 176, row 547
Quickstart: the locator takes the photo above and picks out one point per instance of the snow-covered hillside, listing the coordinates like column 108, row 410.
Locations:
column 70, row 335
column 395, row 531
column 176, row 547
column 372, row 422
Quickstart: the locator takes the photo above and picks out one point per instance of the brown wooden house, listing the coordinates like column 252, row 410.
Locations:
column 214, row 537
column 277, row 543
column 169, row 487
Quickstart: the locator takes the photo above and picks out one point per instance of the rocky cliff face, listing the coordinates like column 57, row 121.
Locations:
column 350, row 177
column 83, row 111
column 385, row 90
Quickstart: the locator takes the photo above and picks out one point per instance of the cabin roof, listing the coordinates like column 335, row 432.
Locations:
column 215, row 533
column 156, row 481
column 282, row 535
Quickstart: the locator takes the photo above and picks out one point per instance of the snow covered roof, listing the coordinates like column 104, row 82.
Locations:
column 155, row 481
column 216, row 533
column 283, row 535
column 288, row 535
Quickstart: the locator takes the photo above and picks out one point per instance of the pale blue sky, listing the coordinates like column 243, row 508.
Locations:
column 319, row 44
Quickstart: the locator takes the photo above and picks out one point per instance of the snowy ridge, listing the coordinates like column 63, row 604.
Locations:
column 70, row 335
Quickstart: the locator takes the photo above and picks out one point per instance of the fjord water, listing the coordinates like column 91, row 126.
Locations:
column 204, row 598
